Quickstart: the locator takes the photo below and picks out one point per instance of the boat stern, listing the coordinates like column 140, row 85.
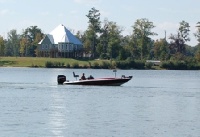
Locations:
column 61, row 79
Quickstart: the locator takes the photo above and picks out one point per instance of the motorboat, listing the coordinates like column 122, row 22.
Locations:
column 106, row 81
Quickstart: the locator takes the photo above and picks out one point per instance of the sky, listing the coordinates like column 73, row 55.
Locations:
column 48, row 14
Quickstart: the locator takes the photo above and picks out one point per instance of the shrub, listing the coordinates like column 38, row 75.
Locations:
column 96, row 65
column 85, row 66
column 105, row 65
column 148, row 65
column 50, row 64
column 138, row 64
column 180, row 65
column 67, row 65
column 121, row 65
column 75, row 65
column 130, row 64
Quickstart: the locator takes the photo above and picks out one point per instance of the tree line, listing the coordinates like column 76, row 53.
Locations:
column 104, row 40
column 23, row 45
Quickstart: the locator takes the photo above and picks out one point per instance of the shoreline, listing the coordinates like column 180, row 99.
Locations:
column 69, row 63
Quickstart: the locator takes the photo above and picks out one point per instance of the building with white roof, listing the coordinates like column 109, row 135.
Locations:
column 60, row 43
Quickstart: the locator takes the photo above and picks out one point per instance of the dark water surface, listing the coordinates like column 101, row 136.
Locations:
column 153, row 104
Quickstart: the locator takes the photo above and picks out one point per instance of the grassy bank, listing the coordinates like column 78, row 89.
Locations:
column 48, row 62
column 68, row 63
column 96, row 64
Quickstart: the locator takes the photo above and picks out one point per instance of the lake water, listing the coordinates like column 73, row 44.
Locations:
column 155, row 103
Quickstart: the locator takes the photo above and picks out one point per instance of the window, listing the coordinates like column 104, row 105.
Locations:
column 66, row 46
column 70, row 47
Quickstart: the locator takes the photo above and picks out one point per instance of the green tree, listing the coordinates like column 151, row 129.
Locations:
column 197, row 48
column 87, row 41
column 23, row 46
column 94, row 28
column 103, row 40
column 12, row 44
column 33, row 34
column 177, row 43
column 37, row 39
column 142, row 32
column 2, row 46
column 114, row 39
column 133, row 47
column 87, row 46
column 197, row 56
column 161, row 50
column 126, row 48
column 197, row 34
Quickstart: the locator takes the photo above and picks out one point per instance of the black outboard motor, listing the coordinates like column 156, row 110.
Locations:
column 61, row 79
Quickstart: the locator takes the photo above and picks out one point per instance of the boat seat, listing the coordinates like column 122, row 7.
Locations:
column 75, row 75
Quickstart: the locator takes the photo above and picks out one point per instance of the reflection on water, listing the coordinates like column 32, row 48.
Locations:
column 57, row 116
column 153, row 104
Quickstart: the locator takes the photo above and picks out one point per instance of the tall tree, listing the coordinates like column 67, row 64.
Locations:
column 130, row 47
column 103, row 44
column 197, row 55
column 114, row 39
column 33, row 35
column 37, row 39
column 142, row 30
column 87, row 42
column 23, row 47
column 133, row 47
column 177, row 43
column 197, row 34
column 12, row 44
column 110, row 40
column 161, row 49
column 2, row 46
column 94, row 27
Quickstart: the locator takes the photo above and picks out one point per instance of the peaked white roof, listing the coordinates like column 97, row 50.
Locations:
column 62, row 34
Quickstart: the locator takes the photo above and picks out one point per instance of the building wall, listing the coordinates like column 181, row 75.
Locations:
column 69, row 47
column 69, row 50
column 45, row 45
column 62, row 50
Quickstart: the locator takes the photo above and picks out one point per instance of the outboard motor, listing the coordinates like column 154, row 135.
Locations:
column 61, row 79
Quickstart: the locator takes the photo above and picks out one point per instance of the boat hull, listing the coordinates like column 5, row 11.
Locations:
column 100, row 82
